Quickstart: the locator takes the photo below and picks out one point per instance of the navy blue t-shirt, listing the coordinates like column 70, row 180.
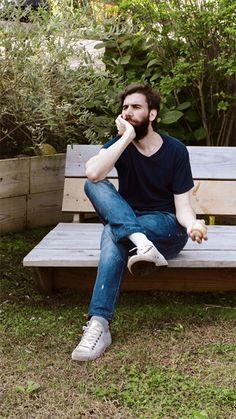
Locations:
column 149, row 183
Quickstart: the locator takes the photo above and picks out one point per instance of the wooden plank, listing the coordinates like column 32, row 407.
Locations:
column 74, row 198
column 14, row 177
column 78, row 227
column 92, row 241
column 208, row 197
column 206, row 162
column 12, row 214
column 204, row 258
column 42, row 257
column 184, row 280
column 76, row 157
column 88, row 237
column 45, row 209
column 44, row 279
column 47, row 173
column 214, row 197
column 80, row 236
column 90, row 257
column 213, row 162
column 90, row 227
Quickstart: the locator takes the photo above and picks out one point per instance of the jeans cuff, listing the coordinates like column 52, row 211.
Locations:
column 125, row 233
column 100, row 314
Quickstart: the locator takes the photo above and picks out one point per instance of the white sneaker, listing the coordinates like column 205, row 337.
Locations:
column 96, row 338
column 146, row 260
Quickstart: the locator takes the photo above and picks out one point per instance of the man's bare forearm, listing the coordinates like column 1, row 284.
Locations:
column 100, row 165
column 186, row 217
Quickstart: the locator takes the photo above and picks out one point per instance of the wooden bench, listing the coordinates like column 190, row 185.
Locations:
column 69, row 254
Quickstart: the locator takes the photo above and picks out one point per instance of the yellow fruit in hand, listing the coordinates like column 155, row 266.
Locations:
column 199, row 229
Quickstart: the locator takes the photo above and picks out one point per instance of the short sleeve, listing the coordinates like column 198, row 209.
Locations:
column 111, row 141
column 182, row 177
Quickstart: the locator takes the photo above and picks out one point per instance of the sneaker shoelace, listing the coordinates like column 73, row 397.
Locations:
column 90, row 336
column 142, row 249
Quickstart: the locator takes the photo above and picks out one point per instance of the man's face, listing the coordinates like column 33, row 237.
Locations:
column 135, row 111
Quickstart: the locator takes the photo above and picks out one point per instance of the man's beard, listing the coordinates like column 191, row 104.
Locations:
column 141, row 129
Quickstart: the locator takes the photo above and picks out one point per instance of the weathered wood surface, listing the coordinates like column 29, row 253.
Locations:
column 214, row 197
column 44, row 209
column 34, row 184
column 90, row 233
column 78, row 246
column 12, row 214
column 74, row 198
column 44, row 278
column 206, row 162
column 87, row 257
column 47, row 173
column 185, row 280
column 208, row 197
column 14, row 177
column 77, row 156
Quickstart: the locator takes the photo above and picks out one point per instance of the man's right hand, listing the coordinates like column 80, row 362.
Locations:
column 124, row 126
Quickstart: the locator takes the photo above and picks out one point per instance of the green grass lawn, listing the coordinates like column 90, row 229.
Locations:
column 173, row 355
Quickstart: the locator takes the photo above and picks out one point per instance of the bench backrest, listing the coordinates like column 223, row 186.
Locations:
column 213, row 168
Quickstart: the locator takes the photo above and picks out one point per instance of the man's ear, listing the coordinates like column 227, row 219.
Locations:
column 152, row 114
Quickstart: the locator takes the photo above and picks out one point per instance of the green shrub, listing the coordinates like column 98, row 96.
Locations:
column 44, row 97
column 187, row 50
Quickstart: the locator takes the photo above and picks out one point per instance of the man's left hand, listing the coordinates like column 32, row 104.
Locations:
column 198, row 231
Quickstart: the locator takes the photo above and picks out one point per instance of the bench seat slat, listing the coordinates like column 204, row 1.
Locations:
column 86, row 227
column 80, row 258
column 69, row 245
column 98, row 227
column 73, row 241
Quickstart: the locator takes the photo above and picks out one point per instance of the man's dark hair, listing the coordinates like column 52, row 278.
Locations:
column 152, row 97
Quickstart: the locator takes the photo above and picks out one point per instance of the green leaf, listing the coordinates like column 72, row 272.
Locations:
column 200, row 134
column 153, row 62
column 20, row 389
column 125, row 60
column 155, row 76
column 191, row 116
column 171, row 117
column 199, row 414
column 32, row 386
column 99, row 46
column 223, row 105
column 183, row 106
column 126, row 43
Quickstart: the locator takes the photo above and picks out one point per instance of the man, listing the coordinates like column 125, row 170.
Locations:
column 151, row 214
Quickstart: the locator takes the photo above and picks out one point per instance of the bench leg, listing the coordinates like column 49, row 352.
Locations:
column 44, row 279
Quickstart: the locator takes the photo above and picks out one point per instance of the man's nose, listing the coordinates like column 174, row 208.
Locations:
column 128, row 112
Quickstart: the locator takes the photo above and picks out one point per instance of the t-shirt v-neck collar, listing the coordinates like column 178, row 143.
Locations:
column 156, row 153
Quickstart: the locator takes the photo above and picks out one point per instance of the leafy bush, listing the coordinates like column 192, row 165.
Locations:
column 44, row 96
column 185, row 49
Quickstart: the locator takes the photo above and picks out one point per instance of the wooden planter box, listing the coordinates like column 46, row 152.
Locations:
column 31, row 191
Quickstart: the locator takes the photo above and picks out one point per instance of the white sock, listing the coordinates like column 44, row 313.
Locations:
column 102, row 320
column 139, row 239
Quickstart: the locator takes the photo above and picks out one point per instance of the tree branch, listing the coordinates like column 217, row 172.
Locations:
column 203, row 111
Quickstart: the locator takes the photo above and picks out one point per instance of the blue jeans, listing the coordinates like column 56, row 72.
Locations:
column 120, row 220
